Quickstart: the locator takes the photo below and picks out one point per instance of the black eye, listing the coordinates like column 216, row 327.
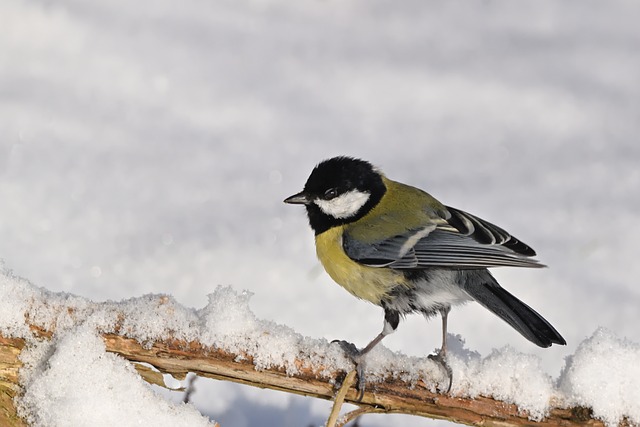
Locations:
column 330, row 194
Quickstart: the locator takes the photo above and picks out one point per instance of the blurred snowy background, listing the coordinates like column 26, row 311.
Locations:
column 146, row 147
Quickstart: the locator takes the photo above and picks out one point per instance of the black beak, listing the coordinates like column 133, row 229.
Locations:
column 298, row 199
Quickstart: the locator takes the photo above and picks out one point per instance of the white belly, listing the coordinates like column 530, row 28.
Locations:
column 439, row 291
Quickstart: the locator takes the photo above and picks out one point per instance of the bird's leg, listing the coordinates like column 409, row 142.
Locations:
column 441, row 355
column 391, row 320
column 357, row 357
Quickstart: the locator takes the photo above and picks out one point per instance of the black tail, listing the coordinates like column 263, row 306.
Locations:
column 519, row 315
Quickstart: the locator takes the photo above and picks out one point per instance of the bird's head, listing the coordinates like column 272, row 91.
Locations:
column 338, row 191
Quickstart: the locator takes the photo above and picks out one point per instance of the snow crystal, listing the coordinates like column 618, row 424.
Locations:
column 604, row 375
column 79, row 383
column 506, row 375
column 150, row 318
column 14, row 297
column 227, row 318
column 22, row 303
column 229, row 323
column 382, row 363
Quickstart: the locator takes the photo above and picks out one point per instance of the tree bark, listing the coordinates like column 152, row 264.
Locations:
column 9, row 366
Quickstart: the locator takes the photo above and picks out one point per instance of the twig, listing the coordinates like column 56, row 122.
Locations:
column 350, row 416
column 339, row 400
column 190, row 389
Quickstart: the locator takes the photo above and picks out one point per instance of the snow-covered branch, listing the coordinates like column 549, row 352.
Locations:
column 72, row 350
column 393, row 395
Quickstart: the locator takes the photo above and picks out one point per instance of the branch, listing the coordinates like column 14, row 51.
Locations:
column 393, row 396
column 9, row 365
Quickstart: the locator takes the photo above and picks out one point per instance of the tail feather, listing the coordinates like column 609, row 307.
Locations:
column 519, row 315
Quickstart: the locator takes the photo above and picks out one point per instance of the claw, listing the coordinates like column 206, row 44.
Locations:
column 441, row 360
column 357, row 357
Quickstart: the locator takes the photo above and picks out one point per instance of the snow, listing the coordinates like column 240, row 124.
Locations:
column 229, row 323
column 72, row 380
column 603, row 375
column 506, row 375
column 146, row 148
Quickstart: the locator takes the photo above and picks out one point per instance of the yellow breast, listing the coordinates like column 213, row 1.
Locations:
column 368, row 283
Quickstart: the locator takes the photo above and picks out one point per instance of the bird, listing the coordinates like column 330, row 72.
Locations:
column 396, row 246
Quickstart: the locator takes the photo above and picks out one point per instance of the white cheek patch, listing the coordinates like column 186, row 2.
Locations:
column 345, row 205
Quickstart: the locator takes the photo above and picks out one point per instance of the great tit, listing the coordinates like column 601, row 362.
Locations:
column 401, row 249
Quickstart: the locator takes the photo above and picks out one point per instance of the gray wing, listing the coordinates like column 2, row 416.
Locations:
column 462, row 241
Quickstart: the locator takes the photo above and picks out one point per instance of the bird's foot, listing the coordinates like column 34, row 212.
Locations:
column 358, row 359
column 440, row 358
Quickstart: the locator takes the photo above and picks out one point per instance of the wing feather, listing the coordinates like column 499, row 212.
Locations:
column 464, row 241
